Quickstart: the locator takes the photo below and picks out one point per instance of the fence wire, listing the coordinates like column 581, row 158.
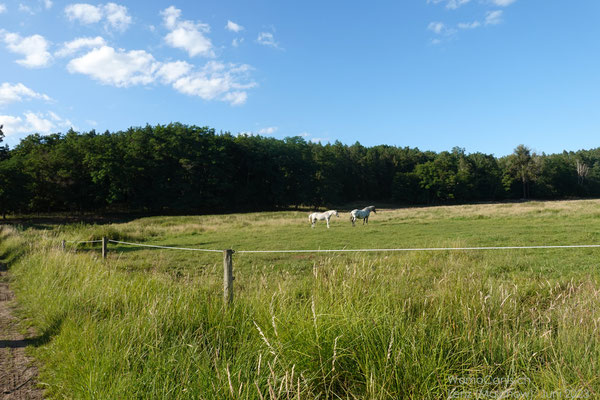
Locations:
column 163, row 247
column 351, row 250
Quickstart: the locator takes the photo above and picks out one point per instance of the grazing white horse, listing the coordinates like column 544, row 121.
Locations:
column 362, row 214
column 322, row 216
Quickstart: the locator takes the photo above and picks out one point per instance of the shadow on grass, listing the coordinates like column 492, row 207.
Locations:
column 35, row 341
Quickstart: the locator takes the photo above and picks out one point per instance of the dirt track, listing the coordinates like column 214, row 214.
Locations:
column 17, row 373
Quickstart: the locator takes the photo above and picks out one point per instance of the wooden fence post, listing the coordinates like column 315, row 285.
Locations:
column 104, row 247
column 228, row 276
column 63, row 245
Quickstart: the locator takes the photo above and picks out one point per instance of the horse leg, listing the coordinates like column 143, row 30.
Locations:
column 327, row 219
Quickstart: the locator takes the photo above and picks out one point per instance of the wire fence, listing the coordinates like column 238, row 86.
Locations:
column 163, row 247
column 345, row 250
column 228, row 254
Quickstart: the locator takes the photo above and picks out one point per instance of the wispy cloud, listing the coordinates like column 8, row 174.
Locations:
column 31, row 122
column 469, row 25
column 116, row 16
column 69, row 48
column 439, row 28
column 233, row 27
column 503, row 3
column 11, row 93
column 493, row 17
column 268, row 130
column 83, row 13
column 267, row 39
column 2, row 8
column 450, row 4
column 26, row 9
column 217, row 81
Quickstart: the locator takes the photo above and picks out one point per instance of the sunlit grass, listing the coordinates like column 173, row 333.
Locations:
column 150, row 323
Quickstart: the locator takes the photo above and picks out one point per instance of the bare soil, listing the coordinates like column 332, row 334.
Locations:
column 17, row 371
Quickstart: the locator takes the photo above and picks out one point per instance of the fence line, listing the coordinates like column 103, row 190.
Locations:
column 162, row 247
column 424, row 249
column 351, row 250
column 228, row 277
column 83, row 241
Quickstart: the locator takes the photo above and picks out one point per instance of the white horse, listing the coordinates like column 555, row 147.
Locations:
column 362, row 214
column 312, row 218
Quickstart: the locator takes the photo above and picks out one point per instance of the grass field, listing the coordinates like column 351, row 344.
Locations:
column 150, row 323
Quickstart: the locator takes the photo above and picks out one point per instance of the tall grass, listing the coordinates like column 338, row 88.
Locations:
column 417, row 325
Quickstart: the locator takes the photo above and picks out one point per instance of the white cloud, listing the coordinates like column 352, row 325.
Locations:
column 267, row 39
column 191, row 39
column 450, row 4
column 217, row 81
column 34, row 48
column 454, row 4
column 439, row 28
column 170, row 16
column 436, row 27
column 116, row 15
column 493, row 17
column 26, row 9
column 2, row 8
column 503, row 3
column 236, row 98
column 48, row 4
column 75, row 45
column 39, row 123
column 18, row 92
column 118, row 68
column 172, row 71
column 187, row 35
column 84, row 13
column 237, row 41
column 469, row 25
column 319, row 140
column 31, row 122
column 233, row 27
column 268, row 130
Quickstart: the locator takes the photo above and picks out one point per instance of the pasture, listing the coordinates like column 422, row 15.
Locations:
column 148, row 323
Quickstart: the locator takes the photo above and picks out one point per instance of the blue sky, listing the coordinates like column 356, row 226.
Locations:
column 485, row 75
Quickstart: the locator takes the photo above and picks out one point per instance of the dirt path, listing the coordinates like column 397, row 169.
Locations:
column 17, row 373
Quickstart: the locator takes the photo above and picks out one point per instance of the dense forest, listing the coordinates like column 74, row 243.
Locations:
column 179, row 168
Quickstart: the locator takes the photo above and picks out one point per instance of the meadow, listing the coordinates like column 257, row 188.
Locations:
column 150, row 323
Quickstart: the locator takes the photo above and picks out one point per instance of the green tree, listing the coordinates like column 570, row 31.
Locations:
column 3, row 149
column 13, row 186
column 523, row 165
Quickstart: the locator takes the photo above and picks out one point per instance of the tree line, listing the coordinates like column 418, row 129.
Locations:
column 180, row 168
